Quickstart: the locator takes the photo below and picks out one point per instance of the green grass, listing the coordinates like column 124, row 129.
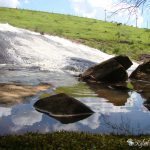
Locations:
column 68, row 141
column 105, row 36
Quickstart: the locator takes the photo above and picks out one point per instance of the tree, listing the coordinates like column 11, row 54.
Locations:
column 134, row 4
column 131, row 6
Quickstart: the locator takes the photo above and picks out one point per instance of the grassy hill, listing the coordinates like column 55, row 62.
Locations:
column 108, row 37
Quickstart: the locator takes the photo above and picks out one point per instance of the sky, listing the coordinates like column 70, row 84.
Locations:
column 96, row 9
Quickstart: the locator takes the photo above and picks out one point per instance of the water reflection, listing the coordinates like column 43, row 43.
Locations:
column 67, row 120
column 144, row 89
column 117, row 97
column 129, row 117
column 26, row 118
column 4, row 111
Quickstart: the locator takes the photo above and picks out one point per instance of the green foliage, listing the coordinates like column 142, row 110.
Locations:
column 105, row 36
column 67, row 141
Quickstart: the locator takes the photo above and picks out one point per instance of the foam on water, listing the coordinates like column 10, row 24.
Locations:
column 26, row 48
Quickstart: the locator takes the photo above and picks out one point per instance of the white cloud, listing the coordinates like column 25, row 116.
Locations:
column 5, row 111
column 96, row 9
column 27, row 118
column 11, row 3
column 92, row 122
column 26, row 1
column 66, row 127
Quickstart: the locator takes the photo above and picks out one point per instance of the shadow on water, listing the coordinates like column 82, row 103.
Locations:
column 117, row 97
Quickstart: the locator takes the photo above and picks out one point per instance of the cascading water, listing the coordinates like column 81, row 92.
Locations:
column 30, row 58
column 26, row 52
column 22, row 47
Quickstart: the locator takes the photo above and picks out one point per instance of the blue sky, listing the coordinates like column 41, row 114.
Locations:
column 59, row 6
column 86, row 8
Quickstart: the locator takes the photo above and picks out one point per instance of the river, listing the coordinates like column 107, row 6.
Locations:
column 28, row 58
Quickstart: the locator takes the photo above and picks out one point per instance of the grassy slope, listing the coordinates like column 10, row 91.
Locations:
column 105, row 36
column 68, row 141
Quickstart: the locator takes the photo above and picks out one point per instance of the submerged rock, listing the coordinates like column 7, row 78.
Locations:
column 61, row 105
column 112, row 70
column 142, row 72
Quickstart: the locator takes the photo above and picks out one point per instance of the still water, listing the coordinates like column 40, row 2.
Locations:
column 119, row 112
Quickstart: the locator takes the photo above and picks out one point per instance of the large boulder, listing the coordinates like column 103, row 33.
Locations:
column 112, row 70
column 124, row 61
column 142, row 72
column 61, row 105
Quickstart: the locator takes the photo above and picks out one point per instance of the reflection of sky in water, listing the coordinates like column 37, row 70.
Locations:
column 34, row 76
column 133, row 118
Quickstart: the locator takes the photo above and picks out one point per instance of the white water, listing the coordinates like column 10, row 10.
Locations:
column 26, row 48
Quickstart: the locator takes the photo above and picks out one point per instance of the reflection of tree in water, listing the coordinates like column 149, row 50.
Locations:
column 122, row 126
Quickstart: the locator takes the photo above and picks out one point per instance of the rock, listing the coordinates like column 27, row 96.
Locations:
column 124, row 61
column 142, row 72
column 61, row 105
column 143, row 57
column 112, row 70
column 71, row 119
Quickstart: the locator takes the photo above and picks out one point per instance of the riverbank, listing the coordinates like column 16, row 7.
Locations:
column 73, row 141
